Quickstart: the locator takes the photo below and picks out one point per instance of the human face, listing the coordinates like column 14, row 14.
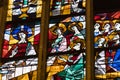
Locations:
column 117, row 26
column 97, row 25
column 22, row 35
column 74, row 28
column 58, row 31
column 107, row 26
column 77, row 46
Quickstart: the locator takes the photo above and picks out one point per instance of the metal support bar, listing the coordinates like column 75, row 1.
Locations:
column 3, row 14
column 90, row 60
column 42, row 56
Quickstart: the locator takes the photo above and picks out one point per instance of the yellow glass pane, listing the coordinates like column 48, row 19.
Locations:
column 53, row 70
column 34, row 76
column 31, row 39
column 13, row 40
column 65, row 9
column 23, row 77
column 9, row 12
column 39, row 10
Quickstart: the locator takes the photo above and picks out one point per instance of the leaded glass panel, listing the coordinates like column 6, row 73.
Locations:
column 66, row 41
column 106, row 43
column 67, row 34
column 64, row 7
column 64, row 67
column 24, row 9
column 17, row 68
column 19, row 39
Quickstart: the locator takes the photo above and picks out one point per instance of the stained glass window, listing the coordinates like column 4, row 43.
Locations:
column 17, row 68
column 68, row 33
column 66, row 41
column 64, row 7
column 107, row 29
column 63, row 67
column 19, row 39
column 66, row 44
column 23, row 9
column 106, row 43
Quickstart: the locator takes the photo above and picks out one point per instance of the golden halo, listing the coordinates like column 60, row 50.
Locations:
column 52, row 29
column 115, row 21
column 78, row 25
column 106, row 22
column 61, row 26
column 99, row 21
